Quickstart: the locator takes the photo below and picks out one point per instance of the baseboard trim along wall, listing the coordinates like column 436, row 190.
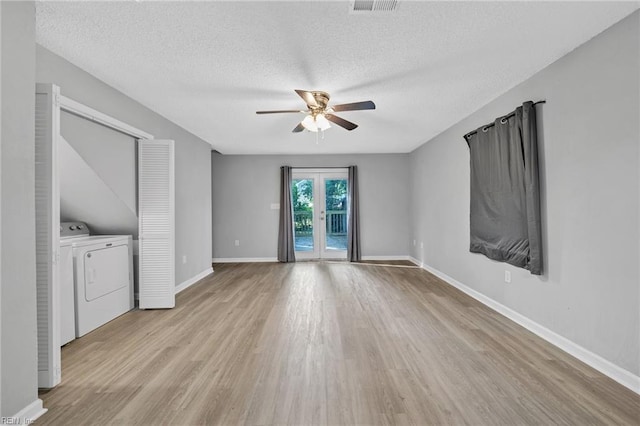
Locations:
column 191, row 281
column 243, row 259
column 397, row 257
column 28, row 414
column 273, row 259
column 620, row 375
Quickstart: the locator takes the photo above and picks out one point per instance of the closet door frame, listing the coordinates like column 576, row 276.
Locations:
column 48, row 220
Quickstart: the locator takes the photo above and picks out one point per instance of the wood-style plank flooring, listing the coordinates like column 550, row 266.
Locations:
column 326, row 343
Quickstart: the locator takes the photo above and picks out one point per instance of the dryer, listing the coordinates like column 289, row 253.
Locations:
column 102, row 278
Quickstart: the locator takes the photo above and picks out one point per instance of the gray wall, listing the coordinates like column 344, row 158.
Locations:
column 97, row 170
column 589, row 139
column 84, row 196
column 111, row 154
column 245, row 186
column 193, row 166
column 1, row 113
column 18, row 275
column 1, row 412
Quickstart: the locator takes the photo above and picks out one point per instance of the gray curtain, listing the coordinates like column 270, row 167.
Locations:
column 353, row 214
column 505, row 192
column 286, row 248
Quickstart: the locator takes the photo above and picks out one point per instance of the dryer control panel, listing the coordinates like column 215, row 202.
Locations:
column 73, row 229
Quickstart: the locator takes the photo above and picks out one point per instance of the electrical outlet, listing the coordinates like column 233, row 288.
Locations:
column 421, row 244
column 184, row 259
column 237, row 243
column 414, row 243
column 507, row 276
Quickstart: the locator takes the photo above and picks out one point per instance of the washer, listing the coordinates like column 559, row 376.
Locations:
column 70, row 233
column 102, row 276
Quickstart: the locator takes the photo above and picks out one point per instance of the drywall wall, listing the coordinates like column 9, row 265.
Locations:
column 0, row 212
column 589, row 139
column 97, row 167
column 193, row 166
column 111, row 154
column 18, row 275
column 87, row 198
column 245, row 186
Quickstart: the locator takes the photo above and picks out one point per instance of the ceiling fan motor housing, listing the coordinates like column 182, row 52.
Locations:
column 322, row 99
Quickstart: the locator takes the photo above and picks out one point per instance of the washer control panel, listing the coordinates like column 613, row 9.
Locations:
column 73, row 229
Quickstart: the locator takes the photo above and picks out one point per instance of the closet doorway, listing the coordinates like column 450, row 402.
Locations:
column 319, row 198
column 155, row 223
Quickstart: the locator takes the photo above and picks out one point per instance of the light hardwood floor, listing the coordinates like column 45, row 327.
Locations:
column 326, row 343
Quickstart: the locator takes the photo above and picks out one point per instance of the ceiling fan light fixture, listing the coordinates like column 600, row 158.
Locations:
column 322, row 122
column 310, row 124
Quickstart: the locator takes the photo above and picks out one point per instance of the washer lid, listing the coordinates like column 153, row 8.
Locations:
column 101, row 240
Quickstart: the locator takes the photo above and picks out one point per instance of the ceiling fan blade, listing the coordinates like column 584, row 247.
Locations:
column 355, row 106
column 341, row 122
column 280, row 111
column 307, row 97
column 298, row 128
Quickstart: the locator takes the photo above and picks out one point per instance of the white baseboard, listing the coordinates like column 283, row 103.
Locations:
column 28, row 414
column 416, row 261
column 394, row 257
column 273, row 259
column 620, row 375
column 191, row 281
column 243, row 259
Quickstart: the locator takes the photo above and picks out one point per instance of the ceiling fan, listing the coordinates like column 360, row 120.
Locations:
column 319, row 114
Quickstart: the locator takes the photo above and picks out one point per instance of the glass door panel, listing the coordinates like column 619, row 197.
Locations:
column 335, row 191
column 302, row 197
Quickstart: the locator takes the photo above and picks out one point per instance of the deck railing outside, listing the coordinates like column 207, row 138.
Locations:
column 336, row 222
column 302, row 223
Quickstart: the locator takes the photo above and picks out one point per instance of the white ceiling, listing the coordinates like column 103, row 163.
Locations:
column 208, row 66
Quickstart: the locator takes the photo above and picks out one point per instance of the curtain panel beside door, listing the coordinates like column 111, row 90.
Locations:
column 505, row 219
column 286, row 248
column 353, row 217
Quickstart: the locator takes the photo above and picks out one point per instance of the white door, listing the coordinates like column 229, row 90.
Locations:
column 319, row 198
column 156, row 224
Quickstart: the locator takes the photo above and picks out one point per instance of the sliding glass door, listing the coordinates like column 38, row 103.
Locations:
column 319, row 198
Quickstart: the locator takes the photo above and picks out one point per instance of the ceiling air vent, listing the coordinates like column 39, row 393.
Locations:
column 367, row 6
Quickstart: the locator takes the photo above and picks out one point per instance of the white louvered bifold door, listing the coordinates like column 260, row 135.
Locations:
column 156, row 229
column 47, row 234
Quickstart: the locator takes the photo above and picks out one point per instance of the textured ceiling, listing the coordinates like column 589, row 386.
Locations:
column 208, row 66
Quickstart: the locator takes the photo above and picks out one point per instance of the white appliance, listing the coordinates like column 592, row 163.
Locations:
column 67, row 293
column 101, row 279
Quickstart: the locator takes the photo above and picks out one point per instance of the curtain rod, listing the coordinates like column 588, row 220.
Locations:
column 503, row 117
